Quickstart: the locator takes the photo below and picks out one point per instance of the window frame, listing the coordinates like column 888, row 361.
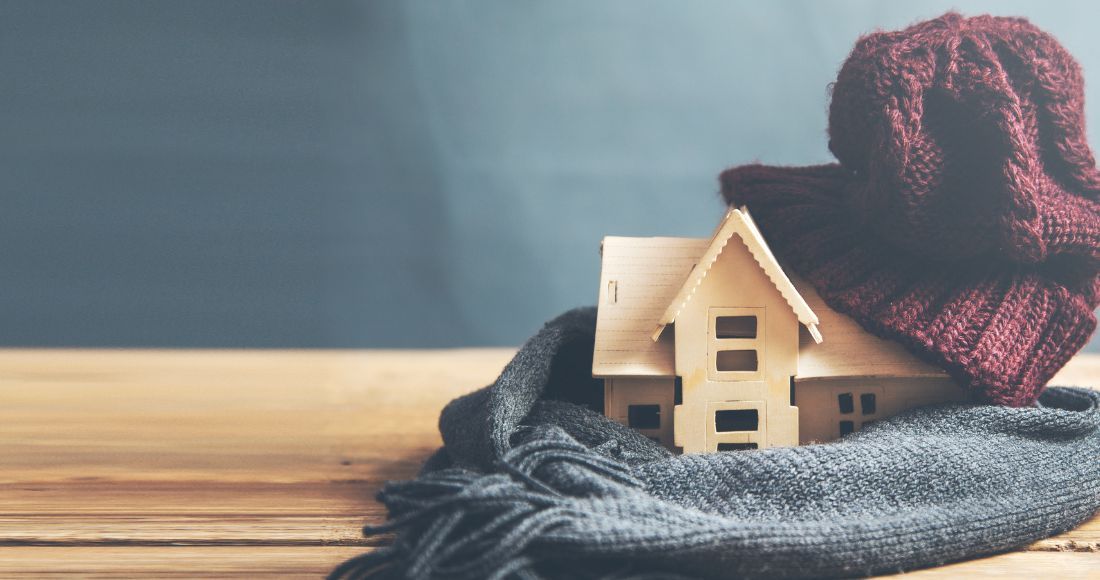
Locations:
column 755, row 420
column 715, row 344
column 714, row 436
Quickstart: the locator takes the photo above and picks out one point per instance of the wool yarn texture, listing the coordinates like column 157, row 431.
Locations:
column 963, row 217
column 533, row 482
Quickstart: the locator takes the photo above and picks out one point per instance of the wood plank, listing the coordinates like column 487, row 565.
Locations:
column 1019, row 565
column 189, row 513
column 212, row 448
column 308, row 561
column 207, row 498
column 271, row 416
column 122, row 463
column 183, row 530
column 173, row 562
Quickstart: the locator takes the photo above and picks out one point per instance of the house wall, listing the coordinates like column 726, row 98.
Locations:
column 735, row 280
column 620, row 393
column 820, row 405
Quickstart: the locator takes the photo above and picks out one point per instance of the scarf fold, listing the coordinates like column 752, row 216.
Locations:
column 535, row 483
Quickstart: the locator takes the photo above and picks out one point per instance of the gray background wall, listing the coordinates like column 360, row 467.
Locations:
column 388, row 174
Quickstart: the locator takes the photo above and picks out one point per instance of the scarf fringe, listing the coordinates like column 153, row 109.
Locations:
column 460, row 524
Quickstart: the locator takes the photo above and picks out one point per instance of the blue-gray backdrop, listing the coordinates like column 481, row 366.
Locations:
column 389, row 174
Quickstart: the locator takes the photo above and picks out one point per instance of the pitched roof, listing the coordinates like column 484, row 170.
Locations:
column 852, row 351
column 739, row 222
column 639, row 278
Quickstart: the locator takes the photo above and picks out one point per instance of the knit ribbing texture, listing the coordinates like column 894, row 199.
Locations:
column 532, row 482
column 963, row 218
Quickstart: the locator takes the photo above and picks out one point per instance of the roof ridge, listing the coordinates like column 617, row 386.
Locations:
column 784, row 285
column 767, row 262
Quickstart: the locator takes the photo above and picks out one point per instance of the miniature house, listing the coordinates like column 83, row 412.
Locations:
column 707, row 345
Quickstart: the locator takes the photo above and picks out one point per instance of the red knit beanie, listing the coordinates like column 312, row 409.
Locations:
column 963, row 219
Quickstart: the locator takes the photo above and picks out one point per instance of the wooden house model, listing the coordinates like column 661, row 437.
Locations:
column 707, row 345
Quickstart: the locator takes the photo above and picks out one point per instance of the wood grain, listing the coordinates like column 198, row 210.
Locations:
column 254, row 463
column 172, row 562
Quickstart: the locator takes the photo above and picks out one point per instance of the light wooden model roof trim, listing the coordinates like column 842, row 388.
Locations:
column 739, row 222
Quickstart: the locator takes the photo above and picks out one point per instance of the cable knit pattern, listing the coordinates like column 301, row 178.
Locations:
column 963, row 219
column 531, row 484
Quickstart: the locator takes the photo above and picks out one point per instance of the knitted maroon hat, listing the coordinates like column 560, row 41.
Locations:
column 963, row 219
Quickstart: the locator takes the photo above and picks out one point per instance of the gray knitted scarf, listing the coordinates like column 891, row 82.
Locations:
column 533, row 482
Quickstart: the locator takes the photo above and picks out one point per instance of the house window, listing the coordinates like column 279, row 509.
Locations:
column 736, row 420
column 867, row 403
column 644, row 416
column 736, row 360
column 735, row 345
column 846, row 403
column 736, row 446
column 735, row 327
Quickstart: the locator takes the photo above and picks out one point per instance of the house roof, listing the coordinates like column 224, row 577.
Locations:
column 739, row 222
column 642, row 278
column 639, row 278
column 852, row 351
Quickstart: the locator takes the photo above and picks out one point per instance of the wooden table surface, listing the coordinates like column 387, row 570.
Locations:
column 248, row 463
